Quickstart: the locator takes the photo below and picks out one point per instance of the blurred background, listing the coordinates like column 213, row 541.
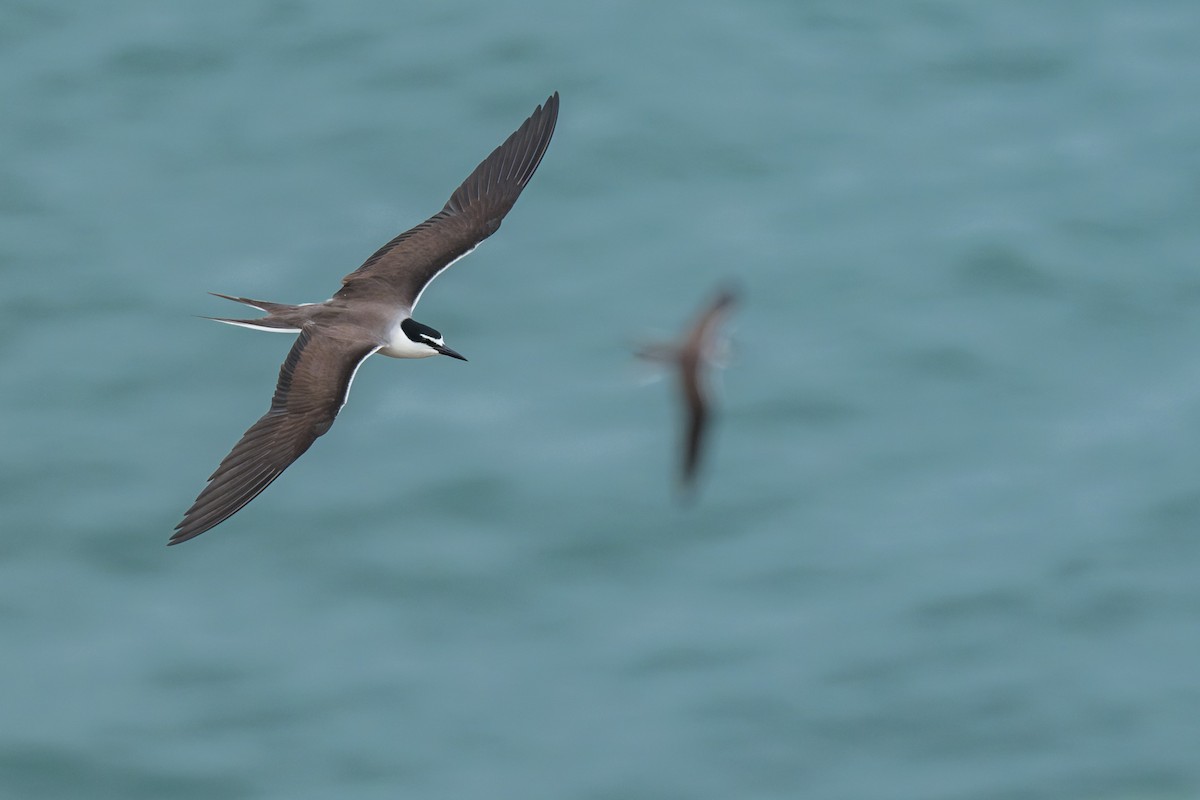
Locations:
column 948, row 539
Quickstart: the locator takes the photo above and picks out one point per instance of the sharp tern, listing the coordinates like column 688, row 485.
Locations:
column 371, row 313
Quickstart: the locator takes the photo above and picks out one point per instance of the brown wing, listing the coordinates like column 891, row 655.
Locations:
column 696, row 412
column 693, row 358
column 405, row 265
column 699, row 338
column 313, row 384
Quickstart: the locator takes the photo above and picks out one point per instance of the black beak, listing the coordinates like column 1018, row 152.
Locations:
column 446, row 351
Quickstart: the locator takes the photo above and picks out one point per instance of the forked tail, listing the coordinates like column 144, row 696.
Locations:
column 279, row 317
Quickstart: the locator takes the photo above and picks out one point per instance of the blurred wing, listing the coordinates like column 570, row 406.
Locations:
column 314, row 382
column 403, row 267
column 705, row 328
column 696, row 424
column 693, row 360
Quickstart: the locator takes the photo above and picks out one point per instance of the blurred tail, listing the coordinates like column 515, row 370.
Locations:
column 657, row 352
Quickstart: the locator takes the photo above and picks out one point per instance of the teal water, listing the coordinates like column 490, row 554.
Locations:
column 949, row 537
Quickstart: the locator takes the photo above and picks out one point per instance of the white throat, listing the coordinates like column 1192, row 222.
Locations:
column 400, row 346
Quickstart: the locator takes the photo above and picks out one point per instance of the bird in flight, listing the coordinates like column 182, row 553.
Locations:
column 371, row 313
column 691, row 357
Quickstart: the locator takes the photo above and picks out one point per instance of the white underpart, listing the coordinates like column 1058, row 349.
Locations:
column 453, row 261
column 354, row 372
column 254, row 327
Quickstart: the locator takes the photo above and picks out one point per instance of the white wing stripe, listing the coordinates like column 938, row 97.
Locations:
column 451, row 263
column 354, row 372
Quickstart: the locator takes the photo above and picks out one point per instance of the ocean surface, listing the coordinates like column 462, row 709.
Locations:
column 947, row 543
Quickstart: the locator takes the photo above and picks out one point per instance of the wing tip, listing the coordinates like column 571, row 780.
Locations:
column 179, row 537
column 729, row 292
column 187, row 530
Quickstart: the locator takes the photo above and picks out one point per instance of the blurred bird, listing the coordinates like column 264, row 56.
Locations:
column 371, row 313
column 692, row 356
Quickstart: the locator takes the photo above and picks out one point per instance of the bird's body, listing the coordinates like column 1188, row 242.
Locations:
column 371, row 313
column 691, row 357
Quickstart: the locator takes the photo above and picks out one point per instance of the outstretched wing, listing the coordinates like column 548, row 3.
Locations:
column 694, row 357
column 403, row 267
column 696, row 419
column 314, row 382
column 704, row 330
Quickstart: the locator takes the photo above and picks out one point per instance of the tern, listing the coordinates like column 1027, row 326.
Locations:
column 371, row 313
column 691, row 357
